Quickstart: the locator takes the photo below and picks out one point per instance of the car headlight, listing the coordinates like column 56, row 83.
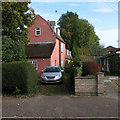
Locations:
column 57, row 77
column 42, row 76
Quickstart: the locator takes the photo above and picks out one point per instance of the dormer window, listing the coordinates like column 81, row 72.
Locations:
column 37, row 32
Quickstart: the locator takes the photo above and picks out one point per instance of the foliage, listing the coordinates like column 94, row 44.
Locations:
column 78, row 33
column 90, row 68
column 15, row 16
column 61, row 68
column 98, row 50
column 79, row 69
column 67, row 22
column 69, row 67
column 114, row 65
column 17, row 90
column 90, row 76
column 18, row 77
column 12, row 50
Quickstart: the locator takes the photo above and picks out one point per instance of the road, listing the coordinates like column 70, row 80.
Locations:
column 64, row 106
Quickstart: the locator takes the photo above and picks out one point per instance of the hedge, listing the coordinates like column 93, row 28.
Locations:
column 22, row 75
column 90, row 68
column 114, row 65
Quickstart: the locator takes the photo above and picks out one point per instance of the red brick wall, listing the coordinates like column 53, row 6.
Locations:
column 42, row 63
column 55, row 53
column 46, row 35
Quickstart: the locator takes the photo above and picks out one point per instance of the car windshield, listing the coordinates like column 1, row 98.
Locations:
column 52, row 69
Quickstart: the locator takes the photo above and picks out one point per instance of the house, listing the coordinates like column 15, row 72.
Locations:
column 105, row 60
column 111, row 49
column 46, row 46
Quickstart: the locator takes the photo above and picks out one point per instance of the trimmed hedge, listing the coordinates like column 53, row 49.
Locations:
column 22, row 75
column 90, row 68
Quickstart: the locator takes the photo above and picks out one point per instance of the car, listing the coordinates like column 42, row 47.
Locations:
column 52, row 74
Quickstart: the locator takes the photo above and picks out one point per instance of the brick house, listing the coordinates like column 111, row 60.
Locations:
column 46, row 46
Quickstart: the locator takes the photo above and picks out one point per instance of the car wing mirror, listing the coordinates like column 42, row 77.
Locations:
column 62, row 70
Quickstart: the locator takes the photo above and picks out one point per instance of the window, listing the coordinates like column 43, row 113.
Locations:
column 67, row 52
column 52, row 62
column 37, row 32
column 61, row 47
column 70, row 53
column 34, row 63
column 62, row 63
column 55, row 62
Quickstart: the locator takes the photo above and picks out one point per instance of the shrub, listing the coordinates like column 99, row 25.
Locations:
column 90, row 68
column 79, row 69
column 69, row 74
column 114, row 65
column 20, row 76
column 12, row 50
column 68, row 67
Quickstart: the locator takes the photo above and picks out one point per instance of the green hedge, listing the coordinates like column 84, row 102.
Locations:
column 114, row 65
column 22, row 75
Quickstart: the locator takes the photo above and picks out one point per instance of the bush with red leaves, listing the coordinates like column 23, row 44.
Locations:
column 90, row 68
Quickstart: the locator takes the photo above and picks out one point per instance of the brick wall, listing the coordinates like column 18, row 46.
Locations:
column 55, row 53
column 42, row 63
column 46, row 34
column 90, row 85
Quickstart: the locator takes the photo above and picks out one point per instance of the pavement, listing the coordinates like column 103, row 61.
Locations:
column 63, row 106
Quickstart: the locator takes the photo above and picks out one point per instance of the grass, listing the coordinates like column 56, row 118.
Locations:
column 58, row 89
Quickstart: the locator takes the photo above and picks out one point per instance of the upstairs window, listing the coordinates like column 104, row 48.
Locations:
column 37, row 32
column 61, row 47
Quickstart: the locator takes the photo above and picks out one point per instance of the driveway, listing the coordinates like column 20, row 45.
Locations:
column 64, row 106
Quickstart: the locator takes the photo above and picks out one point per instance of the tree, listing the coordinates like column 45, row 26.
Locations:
column 12, row 50
column 15, row 17
column 67, row 23
column 98, row 50
column 78, row 33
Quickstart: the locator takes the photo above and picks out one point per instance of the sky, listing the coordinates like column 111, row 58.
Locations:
column 102, row 15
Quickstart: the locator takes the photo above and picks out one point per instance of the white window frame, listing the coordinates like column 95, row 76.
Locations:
column 52, row 62
column 70, row 53
column 36, row 30
column 35, row 64
column 62, row 63
column 61, row 47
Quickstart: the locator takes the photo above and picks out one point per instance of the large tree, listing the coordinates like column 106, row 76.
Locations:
column 16, row 16
column 78, row 33
column 67, row 23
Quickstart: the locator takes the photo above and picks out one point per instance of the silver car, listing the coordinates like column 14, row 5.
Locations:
column 51, row 75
